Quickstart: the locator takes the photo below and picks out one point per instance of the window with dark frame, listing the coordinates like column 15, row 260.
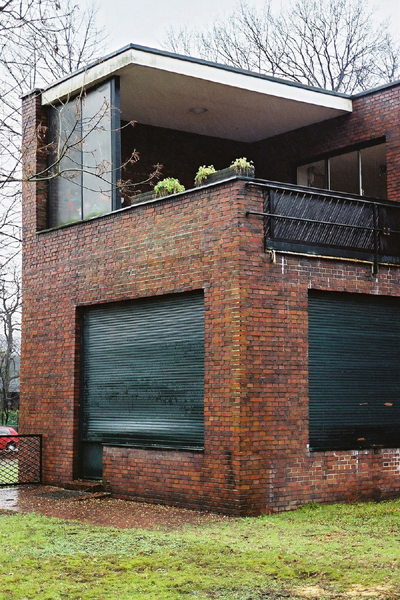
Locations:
column 361, row 172
column 84, row 157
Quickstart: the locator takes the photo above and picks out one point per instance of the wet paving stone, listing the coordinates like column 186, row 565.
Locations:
column 99, row 509
column 62, row 494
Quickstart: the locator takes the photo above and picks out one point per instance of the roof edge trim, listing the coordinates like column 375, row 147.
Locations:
column 198, row 69
column 194, row 60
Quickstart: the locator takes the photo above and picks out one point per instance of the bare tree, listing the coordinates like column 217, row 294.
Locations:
column 331, row 44
column 40, row 40
column 72, row 154
column 10, row 313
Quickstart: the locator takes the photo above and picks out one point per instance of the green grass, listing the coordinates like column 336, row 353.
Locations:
column 8, row 471
column 324, row 552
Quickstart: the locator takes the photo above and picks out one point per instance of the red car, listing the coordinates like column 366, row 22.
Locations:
column 8, row 439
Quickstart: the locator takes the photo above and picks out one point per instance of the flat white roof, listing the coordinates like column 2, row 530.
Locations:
column 159, row 88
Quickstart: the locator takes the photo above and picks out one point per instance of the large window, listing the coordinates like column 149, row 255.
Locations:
column 361, row 172
column 84, row 155
column 354, row 371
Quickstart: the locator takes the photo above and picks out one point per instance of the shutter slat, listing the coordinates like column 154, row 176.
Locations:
column 354, row 371
column 143, row 372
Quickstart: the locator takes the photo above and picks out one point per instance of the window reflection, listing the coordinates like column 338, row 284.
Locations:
column 360, row 172
column 344, row 175
column 82, row 133
column 312, row 175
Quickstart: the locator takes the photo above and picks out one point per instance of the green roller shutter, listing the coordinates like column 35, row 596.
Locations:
column 354, row 371
column 143, row 373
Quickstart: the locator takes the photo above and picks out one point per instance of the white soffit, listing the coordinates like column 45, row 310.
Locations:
column 159, row 89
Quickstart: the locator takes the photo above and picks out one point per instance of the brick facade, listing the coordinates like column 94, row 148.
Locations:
column 256, row 457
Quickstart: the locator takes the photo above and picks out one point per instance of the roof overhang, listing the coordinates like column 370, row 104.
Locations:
column 159, row 89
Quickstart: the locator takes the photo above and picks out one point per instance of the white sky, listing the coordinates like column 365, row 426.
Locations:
column 145, row 22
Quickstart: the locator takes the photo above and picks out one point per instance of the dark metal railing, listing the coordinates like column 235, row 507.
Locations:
column 333, row 224
column 20, row 460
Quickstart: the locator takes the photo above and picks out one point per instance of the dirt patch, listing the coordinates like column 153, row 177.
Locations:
column 356, row 592
column 376, row 591
column 105, row 511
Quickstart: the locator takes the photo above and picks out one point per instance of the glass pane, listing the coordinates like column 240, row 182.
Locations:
column 96, row 152
column 344, row 173
column 65, row 160
column 373, row 171
column 312, row 175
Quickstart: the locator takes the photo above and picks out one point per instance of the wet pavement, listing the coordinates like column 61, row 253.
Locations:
column 98, row 508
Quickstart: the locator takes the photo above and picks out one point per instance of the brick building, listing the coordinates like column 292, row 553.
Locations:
column 234, row 347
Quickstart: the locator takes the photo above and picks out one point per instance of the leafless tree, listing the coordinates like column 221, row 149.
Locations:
column 40, row 41
column 68, row 156
column 10, row 309
column 338, row 45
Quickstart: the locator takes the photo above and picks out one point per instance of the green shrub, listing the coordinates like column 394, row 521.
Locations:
column 12, row 420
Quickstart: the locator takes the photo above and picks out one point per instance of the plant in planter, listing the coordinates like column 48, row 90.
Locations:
column 168, row 186
column 202, row 174
column 242, row 166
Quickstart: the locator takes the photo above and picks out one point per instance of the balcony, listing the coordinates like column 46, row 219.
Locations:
column 307, row 221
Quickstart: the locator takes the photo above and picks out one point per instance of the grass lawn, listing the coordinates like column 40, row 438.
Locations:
column 324, row 552
column 8, row 470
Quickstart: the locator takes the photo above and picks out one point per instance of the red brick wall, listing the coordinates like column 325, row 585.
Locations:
column 171, row 246
column 274, row 401
column 256, row 342
column 34, row 156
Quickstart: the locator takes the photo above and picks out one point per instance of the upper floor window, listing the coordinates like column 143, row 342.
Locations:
column 361, row 172
column 84, row 155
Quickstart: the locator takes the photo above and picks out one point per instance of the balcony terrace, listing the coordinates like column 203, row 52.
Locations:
column 333, row 224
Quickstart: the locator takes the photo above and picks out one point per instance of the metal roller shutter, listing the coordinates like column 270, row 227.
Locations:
column 143, row 373
column 354, row 371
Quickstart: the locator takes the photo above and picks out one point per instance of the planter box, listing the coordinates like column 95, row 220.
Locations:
column 229, row 172
column 142, row 198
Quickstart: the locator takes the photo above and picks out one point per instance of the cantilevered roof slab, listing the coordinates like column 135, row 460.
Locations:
column 160, row 89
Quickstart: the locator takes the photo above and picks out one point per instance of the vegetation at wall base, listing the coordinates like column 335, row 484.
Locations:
column 12, row 419
column 324, row 552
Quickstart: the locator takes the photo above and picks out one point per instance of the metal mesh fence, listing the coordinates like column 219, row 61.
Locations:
column 20, row 460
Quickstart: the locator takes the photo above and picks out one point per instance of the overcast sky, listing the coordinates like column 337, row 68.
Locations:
column 145, row 22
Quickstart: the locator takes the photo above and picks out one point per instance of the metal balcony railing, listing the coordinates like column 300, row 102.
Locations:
column 332, row 224
column 21, row 462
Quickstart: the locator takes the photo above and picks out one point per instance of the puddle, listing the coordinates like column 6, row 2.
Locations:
column 62, row 494
column 9, row 498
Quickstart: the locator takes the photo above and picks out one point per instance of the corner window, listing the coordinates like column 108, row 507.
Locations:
column 360, row 172
column 84, row 155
